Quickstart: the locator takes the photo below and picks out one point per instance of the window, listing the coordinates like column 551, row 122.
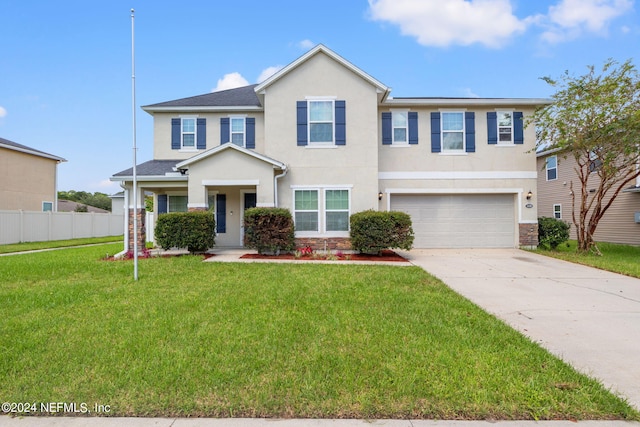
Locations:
column 453, row 131
column 557, row 211
column 322, row 210
column 306, row 210
column 178, row 203
column 188, row 133
column 400, row 127
column 238, row 131
column 337, row 210
column 595, row 163
column 47, row 206
column 505, row 127
column 321, row 121
column 552, row 168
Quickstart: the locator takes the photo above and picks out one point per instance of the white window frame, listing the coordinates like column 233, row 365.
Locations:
column 327, row 210
column 443, row 131
column 547, row 168
column 169, row 196
column 557, row 213
column 510, row 127
column 310, row 122
column 317, row 211
column 45, row 204
column 193, row 147
column 394, row 113
column 322, row 210
column 244, row 130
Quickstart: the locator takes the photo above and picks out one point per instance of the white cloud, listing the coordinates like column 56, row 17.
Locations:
column 230, row 81
column 268, row 72
column 3, row 112
column 306, row 44
column 451, row 22
column 570, row 19
column 468, row 93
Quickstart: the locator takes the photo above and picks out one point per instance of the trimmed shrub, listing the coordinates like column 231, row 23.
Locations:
column 269, row 230
column 372, row 231
column 195, row 231
column 552, row 232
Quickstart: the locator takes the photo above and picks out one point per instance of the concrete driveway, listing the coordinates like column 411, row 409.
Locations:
column 588, row 317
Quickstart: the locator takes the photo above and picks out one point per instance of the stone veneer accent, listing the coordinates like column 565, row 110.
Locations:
column 142, row 230
column 322, row 243
column 528, row 235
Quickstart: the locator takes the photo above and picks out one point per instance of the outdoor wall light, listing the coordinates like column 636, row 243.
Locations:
column 529, row 195
column 380, row 195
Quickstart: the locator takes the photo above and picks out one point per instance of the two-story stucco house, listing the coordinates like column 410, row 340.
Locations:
column 324, row 139
column 28, row 178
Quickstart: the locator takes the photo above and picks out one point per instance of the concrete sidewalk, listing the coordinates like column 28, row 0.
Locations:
column 588, row 317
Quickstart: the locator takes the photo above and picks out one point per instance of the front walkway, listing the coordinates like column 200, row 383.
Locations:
column 588, row 317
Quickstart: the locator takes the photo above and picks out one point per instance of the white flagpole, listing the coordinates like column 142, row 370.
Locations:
column 135, row 180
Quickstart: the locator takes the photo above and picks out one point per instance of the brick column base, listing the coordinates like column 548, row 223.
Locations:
column 528, row 235
column 142, row 230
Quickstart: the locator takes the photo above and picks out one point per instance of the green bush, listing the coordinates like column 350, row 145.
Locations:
column 269, row 230
column 552, row 232
column 372, row 231
column 195, row 231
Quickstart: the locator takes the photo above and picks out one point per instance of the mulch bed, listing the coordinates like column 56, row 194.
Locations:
column 386, row 255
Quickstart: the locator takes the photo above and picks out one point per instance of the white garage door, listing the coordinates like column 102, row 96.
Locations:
column 460, row 221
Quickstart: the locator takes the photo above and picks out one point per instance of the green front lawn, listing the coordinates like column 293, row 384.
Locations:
column 32, row 246
column 623, row 259
column 270, row 340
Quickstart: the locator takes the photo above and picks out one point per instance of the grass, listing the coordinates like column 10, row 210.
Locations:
column 32, row 246
column 270, row 340
column 617, row 258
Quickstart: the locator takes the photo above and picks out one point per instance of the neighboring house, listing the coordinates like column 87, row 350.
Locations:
column 117, row 202
column 324, row 139
column 557, row 172
column 28, row 178
column 69, row 206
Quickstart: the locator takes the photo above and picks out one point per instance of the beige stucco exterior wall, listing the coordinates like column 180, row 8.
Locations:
column 616, row 226
column 26, row 181
column 490, row 169
column 162, row 133
column 354, row 164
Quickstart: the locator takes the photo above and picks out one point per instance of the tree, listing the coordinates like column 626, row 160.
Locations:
column 595, row 119
column 97, row 199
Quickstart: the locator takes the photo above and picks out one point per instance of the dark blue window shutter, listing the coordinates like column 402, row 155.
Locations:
column 492, row 127
column 518, row 128
column 436, row 146
column 221, row 213
column 341, row 123
column 176, row 132
column 225, row 135
column 250, row 123
column 387, row 129
column 201, row 143
column 302, row 122
column 413, row 127
column 470, row 131
column 162, row 204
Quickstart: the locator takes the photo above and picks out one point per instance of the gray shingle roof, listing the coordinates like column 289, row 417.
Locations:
column 239, row 97
column 151, row 168
column 19, row 147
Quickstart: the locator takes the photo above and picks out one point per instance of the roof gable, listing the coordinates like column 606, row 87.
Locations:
column 321, row 49
column 229, row 146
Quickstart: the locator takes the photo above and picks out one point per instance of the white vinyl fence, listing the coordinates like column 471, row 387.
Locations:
column 27, row 226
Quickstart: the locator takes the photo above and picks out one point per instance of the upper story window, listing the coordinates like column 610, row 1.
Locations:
column 321, row 121
column 453, row 131
column 400, row 123
column 238, row 131
column 188, row 133
column 505, row 127
column 552, row 168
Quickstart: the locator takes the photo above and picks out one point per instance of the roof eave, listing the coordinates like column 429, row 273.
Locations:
column 33, row 152
column 154, row 178
column 229, row 146
column 459, row 102
column 203, row 109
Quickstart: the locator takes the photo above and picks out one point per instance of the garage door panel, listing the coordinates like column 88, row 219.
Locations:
column 460, row 221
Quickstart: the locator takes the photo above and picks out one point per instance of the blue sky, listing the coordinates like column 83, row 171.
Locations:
column 65, row 66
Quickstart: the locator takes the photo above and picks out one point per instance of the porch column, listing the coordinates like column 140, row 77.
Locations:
column 140, row 212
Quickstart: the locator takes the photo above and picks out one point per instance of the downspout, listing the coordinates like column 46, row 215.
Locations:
column 275, row 185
